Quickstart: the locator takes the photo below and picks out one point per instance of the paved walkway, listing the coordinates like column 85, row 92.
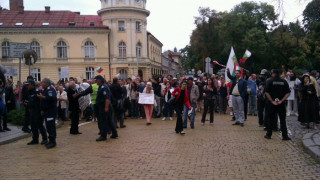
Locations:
column 157, row 152
column 15, row 134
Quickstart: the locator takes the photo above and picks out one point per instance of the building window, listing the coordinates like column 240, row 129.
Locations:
column 62, row 49
column 121, row 25
column 89, row 73
column 138, row 26
column 89, row 49
column 138, row 49
column 5, row 49
column 35, row 73
column 36, row 47
column 122, row 49
column 123, row 74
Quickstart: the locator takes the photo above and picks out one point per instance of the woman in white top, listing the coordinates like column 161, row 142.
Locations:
column 293, row 82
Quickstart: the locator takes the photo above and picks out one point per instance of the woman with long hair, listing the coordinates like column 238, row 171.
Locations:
column 209, row 92
column 168, row 109
column 309, row 103
column 181, row 98
column 133, row 98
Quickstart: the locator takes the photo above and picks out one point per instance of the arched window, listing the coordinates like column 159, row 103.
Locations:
column 138, row 49
column 36, row 47
column 122, row 49
column 5, row 49
column 123, row 74
column 36, row 74
column 89, row 73
column 89, row 49
column 62, row 50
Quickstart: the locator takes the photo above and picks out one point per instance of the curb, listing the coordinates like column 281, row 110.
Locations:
column 311, row 146
column 21, row 137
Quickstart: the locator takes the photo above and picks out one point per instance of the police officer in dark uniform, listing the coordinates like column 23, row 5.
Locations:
column 277, row 92
column 48, row 106
column 25, row 97
column 33, row 104
column 104, row 109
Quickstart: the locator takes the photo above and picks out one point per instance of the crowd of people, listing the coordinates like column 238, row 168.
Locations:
column 271, row 96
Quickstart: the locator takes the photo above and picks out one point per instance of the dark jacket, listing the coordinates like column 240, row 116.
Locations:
column 49, row 104
column 242, row 86
column 73, row 102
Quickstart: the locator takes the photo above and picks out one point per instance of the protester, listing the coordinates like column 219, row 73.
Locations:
column 62, row 103
column 181, row 100
column 148, row 108
column 209, row 92
column 168, row 108
column 117, row 102
column 157, row 94
column 261, row 83
column 25, row 127
column 239, row 92
column 252, row 91
column 277, row 92
column 294, row 82
column 309, row 103
column 133, row 97
column 200, row 85
column 223, row 93
column 193, row 92
column 9, row 96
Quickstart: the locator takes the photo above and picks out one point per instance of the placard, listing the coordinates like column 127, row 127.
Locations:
column 145, row 98
column 65, row 72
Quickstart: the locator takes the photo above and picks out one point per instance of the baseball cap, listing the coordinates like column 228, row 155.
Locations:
column 264, row 72
column 99, row 77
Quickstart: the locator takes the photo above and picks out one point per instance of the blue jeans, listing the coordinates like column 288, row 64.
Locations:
column 134, row 108
column 168, row 108
column 253, row 105
column 185, row 115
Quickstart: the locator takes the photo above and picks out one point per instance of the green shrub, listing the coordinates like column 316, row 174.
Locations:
column 16, row 117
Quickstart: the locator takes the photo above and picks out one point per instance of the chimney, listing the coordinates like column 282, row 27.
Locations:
column 21, row 9
column 47, row 9
column 15, row 4
column 77, row 12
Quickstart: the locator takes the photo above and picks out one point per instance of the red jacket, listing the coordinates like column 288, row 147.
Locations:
column 186, row 97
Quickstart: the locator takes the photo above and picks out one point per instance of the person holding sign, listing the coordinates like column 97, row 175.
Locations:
column 148, row 108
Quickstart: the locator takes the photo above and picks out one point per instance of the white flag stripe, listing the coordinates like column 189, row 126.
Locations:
column 230, row 64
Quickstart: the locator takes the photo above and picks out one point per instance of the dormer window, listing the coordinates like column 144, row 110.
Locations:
column 72, row 23
column 92, row 23
column 1, row 23
column 19, row 24
column 45, row 24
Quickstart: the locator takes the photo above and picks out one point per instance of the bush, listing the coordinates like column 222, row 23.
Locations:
column 16, row 117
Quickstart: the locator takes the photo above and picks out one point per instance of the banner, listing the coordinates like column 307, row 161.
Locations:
column 65, row 72
column 145, row 98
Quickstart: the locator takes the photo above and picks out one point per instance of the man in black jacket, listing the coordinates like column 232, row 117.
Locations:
column 117, row 102
column 25, row 97
column 157, row 94
column 74, row 107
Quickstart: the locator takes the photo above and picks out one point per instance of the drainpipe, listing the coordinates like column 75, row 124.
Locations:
column 109, row 56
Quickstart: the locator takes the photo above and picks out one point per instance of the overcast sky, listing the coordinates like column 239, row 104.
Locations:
column 171, row 21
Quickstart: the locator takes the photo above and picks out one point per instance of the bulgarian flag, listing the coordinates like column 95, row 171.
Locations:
column 246, row 55
column 99, row 70
column 238, row 68
column 232, row 61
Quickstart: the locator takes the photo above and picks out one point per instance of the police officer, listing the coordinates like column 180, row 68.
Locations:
column 277, row 91
column 27, row 113
column 33, row 104
column 104, row 109
column 48, row 106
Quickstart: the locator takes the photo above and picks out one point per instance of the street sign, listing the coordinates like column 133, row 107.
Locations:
column 17, row 49
column 11, row 71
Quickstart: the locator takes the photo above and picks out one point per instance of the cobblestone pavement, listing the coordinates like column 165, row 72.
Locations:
column 157, row 152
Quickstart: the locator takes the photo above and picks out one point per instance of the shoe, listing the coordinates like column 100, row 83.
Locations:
column 211, row 124
column 123, row 126
column 288, row 114
column 1, row 130
column 265, row 129
column 182, row 133
column 241, row 124
column 76, row 133
column 192, row 127
column 202, row 124
column 158, row 116
column 267, row 137
column 33, row 142
column 163, row 119
column 51, row 144
column 286, row 139
column 101, row 139
column 43, row 142
column 6, row 129
column 232, row 119
column 170, row 118
column 114, row 136
column 249, row 114
column 26, row 130
column 236, row 124
column 296, row 114
column 148, row 124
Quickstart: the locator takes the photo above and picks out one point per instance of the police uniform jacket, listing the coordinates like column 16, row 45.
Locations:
column 49, row 103
column 33, row 100
column 277, row 88
column 103, row 94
